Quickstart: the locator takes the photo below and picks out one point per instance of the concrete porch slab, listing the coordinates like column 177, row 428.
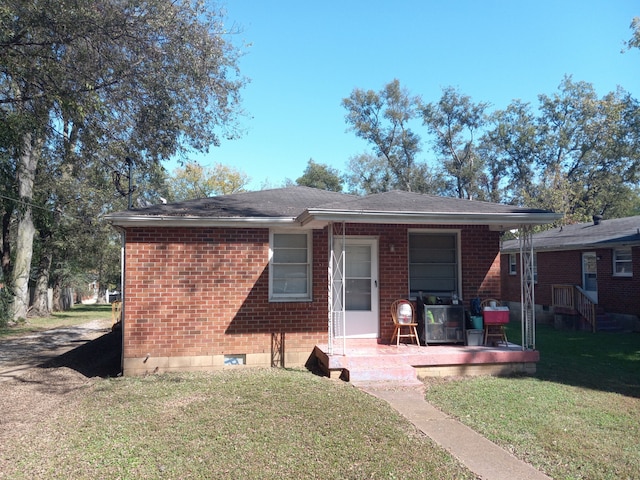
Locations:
column 362, row 360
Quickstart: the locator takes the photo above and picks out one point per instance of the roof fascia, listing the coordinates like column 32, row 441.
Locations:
column 500, row 221
column 318, row 218
column 191, row 221
column 569, row 248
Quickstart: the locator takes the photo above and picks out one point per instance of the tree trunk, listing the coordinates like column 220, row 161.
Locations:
column 6, row 245
column 27, row 163
column 41, row 307
column 57, row 295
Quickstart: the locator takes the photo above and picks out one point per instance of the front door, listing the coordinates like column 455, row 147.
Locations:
column 590, row 275
column 361, row 288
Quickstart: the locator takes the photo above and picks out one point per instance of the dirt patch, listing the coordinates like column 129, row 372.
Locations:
column 43, row 375
column 35, row 348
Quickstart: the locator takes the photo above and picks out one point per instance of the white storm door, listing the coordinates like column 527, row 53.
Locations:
column 590, row 275
column 361, row 288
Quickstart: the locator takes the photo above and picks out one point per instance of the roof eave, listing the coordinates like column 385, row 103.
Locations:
column 574, row 247
column 319, row 218
column 195, row 221
column 498, row 221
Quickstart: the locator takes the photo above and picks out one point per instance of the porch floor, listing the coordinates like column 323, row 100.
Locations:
column 370, row 361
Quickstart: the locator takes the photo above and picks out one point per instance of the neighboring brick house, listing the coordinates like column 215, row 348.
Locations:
column 600, row 259
column 240, row 278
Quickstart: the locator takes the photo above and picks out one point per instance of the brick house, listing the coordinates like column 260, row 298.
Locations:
column 241, row 278
column 595, row 265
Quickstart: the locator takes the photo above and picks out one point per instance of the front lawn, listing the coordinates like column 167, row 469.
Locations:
column 240, row 424
column 577, row 418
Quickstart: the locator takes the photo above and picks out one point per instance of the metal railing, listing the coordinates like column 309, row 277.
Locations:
column 573, row 297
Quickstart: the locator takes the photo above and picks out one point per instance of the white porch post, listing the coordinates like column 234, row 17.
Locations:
column 336, row 324
column 527, row 292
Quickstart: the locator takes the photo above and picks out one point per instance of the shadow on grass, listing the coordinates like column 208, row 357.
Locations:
column 98, row 358
column 604, row 361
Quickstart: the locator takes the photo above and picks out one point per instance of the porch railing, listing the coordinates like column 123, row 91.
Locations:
column 586, row 308
column 562, row 296
column 574, row 298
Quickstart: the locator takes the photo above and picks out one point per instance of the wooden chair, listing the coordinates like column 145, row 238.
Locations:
column 495, row 330
column 399, row 325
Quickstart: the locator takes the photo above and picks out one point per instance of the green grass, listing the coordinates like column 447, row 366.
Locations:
column 577, row 418
column 260, row 424
column 79, row 314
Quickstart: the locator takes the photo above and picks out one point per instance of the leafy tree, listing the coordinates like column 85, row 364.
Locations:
column 454, row 121
column 195, row 181
column 73, row 246
column 383, row 119
column 634, row 41
column 510, row 149
column 320, row 176
column 98, row 80
column 368, row 174
column 578, row 155
column 592, row 141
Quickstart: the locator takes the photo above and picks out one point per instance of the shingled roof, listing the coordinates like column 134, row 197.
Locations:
column 596, row 234
column 313, row 207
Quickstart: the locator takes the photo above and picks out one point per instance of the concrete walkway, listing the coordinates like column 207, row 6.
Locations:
column 481, row 456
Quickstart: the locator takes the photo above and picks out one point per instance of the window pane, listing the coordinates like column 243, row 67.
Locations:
column 290, row 240
column 433, row 263
column 622, row 261
column 290, row 268
column 290, row 279
column 290, row 255
column 432, row 255
column 590, row 282
column 589, row 264
column 623, row 255
column 359, row 261
column 623, row 268
column 429, row 240
column 358, row 295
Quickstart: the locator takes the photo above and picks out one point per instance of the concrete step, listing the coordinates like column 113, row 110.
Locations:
column 604, row 323
column 398, row 373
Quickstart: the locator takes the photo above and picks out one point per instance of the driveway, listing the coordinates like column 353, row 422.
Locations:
column 36, row 348
column 41, row 372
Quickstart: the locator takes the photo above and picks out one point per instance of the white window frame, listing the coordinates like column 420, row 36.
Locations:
column 513, row 264
column 458, row 254
column 291, row 297
column 616, row 261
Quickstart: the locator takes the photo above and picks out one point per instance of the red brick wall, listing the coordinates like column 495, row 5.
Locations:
column 563, row 268
column 618, row 294
column 204, row 291
column 615, row 294
column 480, row 263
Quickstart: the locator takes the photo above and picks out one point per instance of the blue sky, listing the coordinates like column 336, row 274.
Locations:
column 306, row 56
